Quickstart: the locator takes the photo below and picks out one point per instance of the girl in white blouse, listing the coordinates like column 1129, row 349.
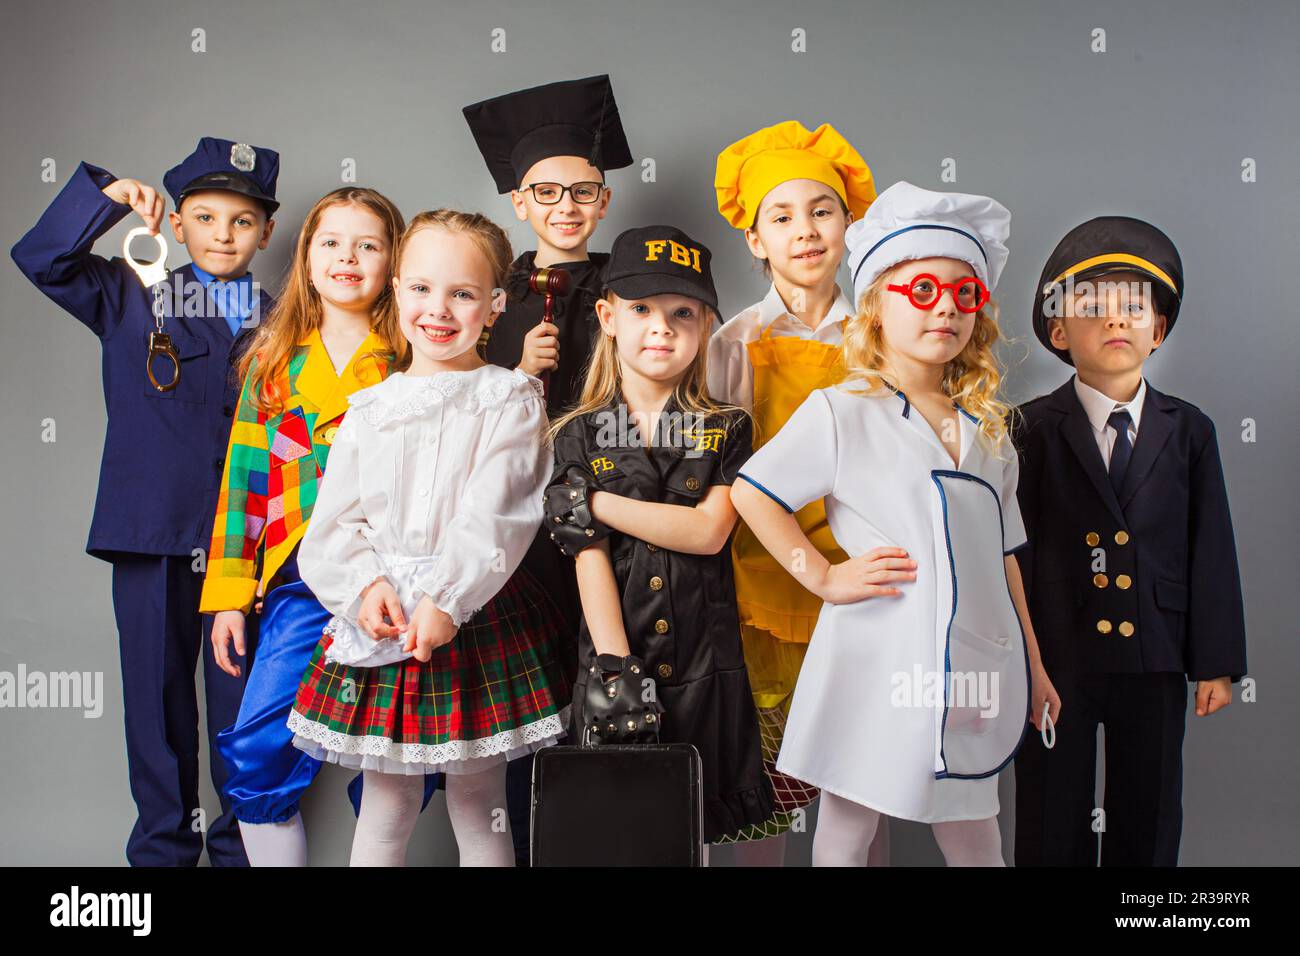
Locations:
column 441, row 655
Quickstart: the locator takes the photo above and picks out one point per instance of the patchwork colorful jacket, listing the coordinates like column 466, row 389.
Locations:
column 273, row 468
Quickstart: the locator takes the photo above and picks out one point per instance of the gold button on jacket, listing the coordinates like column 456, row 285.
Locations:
column 1126, row 628
column 1099, row 580
column 661, row 626
column 1104, row 626
column 1093, row 539
column 656, row 583
column 1121, row 537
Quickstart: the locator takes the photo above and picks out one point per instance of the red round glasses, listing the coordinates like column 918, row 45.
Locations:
column 968, row 294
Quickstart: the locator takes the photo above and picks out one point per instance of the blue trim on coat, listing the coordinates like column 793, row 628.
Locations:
column 947, row 666
column 765, row 491
column 907, row 404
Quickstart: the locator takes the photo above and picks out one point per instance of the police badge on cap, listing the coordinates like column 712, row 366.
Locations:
column 243, row 157
column 225, row 164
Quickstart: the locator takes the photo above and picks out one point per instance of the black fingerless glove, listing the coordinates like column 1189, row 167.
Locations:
column 568, row 515
column 617, row 711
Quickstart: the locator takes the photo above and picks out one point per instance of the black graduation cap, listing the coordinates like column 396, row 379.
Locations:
column 1106, row 245
column 570, row 118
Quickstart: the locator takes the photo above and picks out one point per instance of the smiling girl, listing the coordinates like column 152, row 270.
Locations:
column 440, row 656
column 333, row 331
column 915, row 691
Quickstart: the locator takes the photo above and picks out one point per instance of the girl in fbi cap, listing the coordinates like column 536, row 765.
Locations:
column 916, row 687
column 792, row 192
column 639, row 496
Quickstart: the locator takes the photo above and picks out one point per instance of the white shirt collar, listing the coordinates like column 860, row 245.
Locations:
column 1099, row 406
column 773, row 308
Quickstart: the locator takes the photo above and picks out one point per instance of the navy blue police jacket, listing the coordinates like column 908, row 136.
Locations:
column 163, row 451
column 1145, row 581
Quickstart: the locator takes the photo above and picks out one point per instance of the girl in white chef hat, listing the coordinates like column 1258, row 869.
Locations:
column 917, row 686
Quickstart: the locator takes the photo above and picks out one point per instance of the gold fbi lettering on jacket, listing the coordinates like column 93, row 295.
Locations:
column 601, row 465
column 687, row 256
column 704, row 439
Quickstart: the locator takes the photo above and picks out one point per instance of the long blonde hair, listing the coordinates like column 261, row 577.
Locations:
column 971, row 379
column 604, row 379
column 297, row 312
column 490, row 239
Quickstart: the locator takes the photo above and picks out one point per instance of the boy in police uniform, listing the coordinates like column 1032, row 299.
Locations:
column 549, row 147
column 1131, row 569
column 169, row 416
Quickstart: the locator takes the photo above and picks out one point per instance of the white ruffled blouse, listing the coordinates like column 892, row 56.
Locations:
column 434, row 482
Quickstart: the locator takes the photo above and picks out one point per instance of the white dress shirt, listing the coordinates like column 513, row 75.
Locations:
column 1099, row 407
column 434, row 482
column 731, row 377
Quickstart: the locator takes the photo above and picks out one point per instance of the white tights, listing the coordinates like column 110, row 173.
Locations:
column 845, row 830
column 275, row 844
column 476, row 803
column 771, row 851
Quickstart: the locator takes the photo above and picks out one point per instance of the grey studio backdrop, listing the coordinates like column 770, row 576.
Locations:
column 1010, row 95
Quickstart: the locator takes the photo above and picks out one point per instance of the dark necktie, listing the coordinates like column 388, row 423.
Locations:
column 1123, row 450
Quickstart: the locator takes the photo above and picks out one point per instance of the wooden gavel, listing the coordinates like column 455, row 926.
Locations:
column 550, row 283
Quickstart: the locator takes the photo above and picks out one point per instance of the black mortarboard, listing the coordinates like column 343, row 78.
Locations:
column 1106, row 245
column 571, row 118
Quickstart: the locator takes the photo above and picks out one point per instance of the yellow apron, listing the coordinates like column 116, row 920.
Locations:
column 777, row 614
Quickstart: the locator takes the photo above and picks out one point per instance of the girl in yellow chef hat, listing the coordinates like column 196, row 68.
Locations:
column 793, row 193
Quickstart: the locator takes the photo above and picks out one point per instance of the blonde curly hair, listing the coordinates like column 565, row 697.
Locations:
column 971, row 379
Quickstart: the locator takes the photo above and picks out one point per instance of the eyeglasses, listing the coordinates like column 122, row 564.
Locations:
column 548, row 194
column 968, row 294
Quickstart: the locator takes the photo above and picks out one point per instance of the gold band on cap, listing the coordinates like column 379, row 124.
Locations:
column 1118, row 258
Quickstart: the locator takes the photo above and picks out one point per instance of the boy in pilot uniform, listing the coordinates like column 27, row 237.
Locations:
column 169, row 405
column 1131, row 570
column 549, row 147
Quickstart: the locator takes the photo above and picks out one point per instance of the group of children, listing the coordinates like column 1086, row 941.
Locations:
column 469, row 507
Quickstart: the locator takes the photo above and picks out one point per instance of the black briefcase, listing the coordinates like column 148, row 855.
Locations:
column 617, row 805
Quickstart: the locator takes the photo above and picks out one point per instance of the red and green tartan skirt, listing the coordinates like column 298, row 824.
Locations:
column 500, row 689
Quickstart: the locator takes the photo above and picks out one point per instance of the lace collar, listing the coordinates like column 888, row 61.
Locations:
column 401, row 397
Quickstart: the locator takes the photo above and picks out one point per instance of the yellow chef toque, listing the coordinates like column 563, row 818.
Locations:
column 752, row 167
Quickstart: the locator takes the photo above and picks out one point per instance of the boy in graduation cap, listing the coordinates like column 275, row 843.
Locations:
column 1131, row 569
column 549, row 147
column 169, row 415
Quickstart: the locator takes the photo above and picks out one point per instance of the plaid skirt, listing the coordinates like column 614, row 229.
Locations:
column 500, row 689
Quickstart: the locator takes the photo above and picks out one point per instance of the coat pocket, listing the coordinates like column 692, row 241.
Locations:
column 1171, row 595
column 192, row 357
column 690, row 480
column 978, row 662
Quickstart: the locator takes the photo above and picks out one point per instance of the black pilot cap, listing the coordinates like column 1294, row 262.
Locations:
column 570, row 118
column 1106, row 245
